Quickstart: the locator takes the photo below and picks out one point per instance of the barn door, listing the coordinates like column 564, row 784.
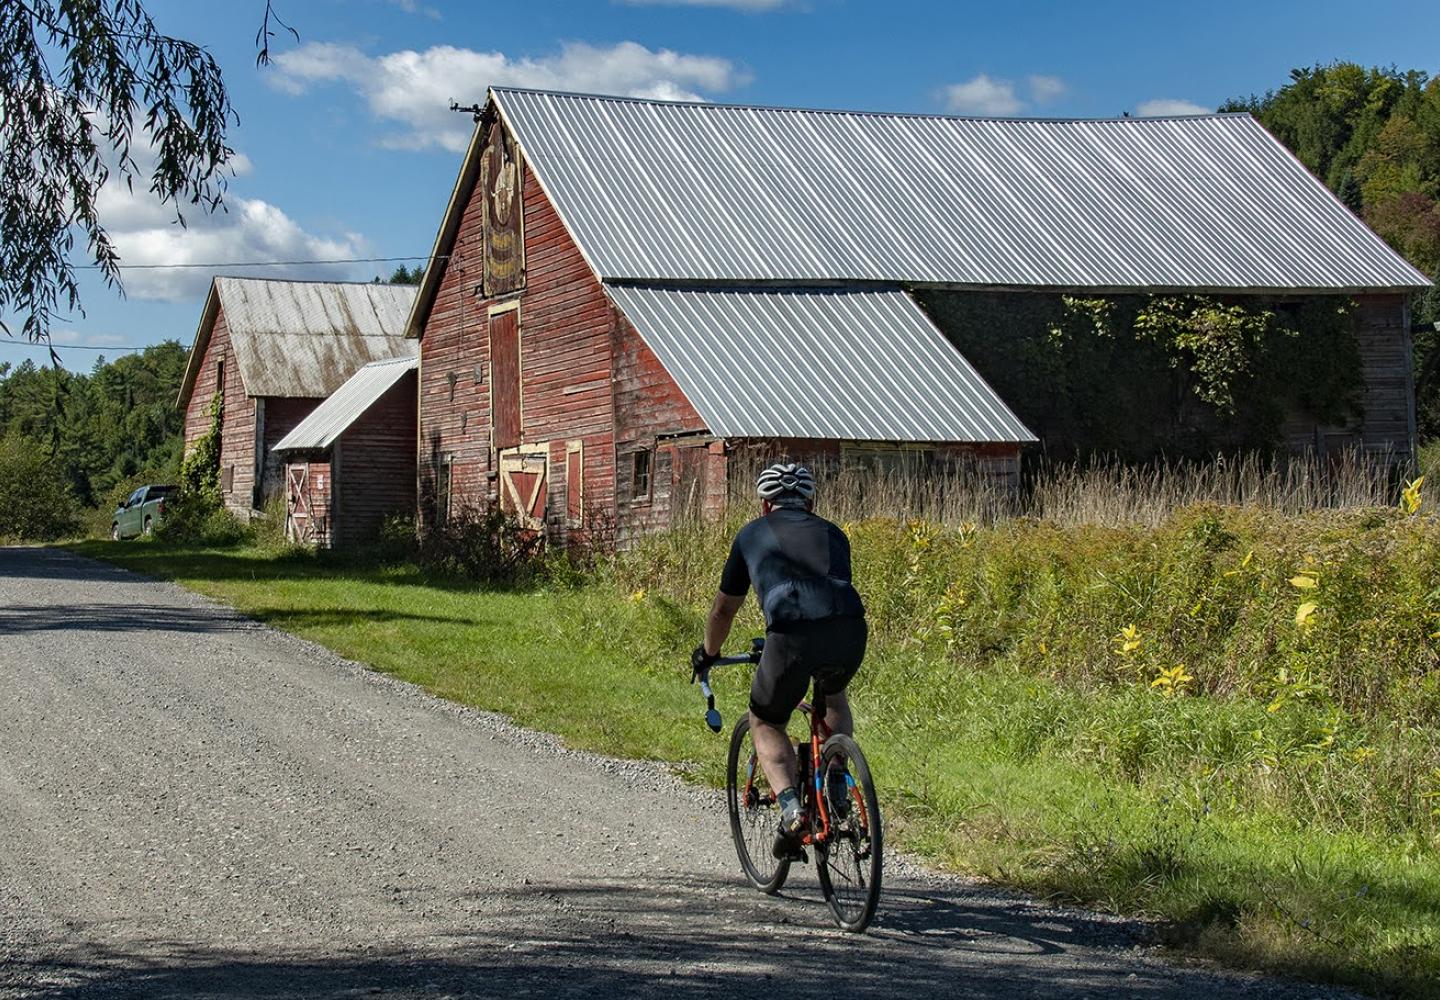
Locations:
column 687, row 484
column 523, row 475
column 505, row 379
column 297, row 504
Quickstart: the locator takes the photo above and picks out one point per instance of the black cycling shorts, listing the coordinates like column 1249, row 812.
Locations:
column 829, row 650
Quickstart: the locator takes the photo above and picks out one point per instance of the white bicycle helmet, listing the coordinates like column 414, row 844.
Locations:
column 786, row 478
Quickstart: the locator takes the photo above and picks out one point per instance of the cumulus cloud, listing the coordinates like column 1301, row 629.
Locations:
column 414, row 89
column 1045, row 88
column 1162, row 106
column 983, row 96
column 144, row 233
column 988, row 95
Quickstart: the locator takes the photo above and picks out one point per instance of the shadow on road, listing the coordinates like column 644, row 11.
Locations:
column 611, row 938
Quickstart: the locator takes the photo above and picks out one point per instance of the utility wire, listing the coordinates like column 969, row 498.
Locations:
column 266, row 263
column 123, row 348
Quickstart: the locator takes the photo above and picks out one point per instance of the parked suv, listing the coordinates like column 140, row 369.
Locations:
column 141, row 513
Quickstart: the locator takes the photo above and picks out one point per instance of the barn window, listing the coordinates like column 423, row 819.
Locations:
column 640, row 475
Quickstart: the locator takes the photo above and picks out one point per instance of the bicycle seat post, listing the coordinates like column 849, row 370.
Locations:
column 817, row 703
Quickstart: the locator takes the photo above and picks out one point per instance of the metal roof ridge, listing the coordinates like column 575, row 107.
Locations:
column 928, row 115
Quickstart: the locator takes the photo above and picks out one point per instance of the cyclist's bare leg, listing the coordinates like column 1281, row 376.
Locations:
column 775, row 752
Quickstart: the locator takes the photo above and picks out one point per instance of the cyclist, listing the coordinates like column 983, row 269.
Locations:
column 799, row 566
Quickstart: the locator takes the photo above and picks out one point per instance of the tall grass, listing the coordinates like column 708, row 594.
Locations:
column 1104, row 493
column 1209, row 692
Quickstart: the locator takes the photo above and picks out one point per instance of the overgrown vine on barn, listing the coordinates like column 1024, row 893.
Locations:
column 200, row 469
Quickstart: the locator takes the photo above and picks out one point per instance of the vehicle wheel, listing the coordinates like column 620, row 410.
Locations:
column 850, row 862
column 146, row 529
column 115, row 532
column 754, row 813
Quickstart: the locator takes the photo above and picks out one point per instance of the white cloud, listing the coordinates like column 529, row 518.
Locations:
column 749, row 6
column 75, row 338
column 1044, row 89
column 144, row 233
column 983, row 96
column 1162, row 106
column 415, row 88
column 415, row 7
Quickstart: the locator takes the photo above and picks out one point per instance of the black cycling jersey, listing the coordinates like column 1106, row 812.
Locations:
column 799, row 564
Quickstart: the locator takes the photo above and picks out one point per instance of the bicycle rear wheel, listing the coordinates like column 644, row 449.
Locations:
column 850, row 862
column 754, row 814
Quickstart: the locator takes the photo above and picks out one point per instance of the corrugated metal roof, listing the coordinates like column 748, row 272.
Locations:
column 701, row 192
column 305, row 338
column 846, row 365
column 330, row 419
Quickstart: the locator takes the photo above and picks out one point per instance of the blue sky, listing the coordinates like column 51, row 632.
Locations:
column 347, row 149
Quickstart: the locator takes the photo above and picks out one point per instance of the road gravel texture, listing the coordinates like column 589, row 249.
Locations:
column 195, row 805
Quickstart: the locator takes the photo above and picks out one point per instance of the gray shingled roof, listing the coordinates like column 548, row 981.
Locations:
column 333, row 417
column 854, row 366
column 705, row 192
column 303, row 338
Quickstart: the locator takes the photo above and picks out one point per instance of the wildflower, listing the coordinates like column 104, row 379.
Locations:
column 1410, row 497
column 1173, row 681
column 638, row 596
column 1128, row 641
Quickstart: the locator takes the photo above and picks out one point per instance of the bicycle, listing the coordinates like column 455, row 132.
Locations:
column 847, row 836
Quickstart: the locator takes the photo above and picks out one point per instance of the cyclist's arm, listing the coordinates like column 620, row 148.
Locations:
column 722, row 616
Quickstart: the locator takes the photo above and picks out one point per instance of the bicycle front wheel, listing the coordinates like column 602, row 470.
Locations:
column 754, row 814
column 850, row 862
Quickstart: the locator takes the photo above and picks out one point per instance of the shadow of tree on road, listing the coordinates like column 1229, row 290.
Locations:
column 679, row 938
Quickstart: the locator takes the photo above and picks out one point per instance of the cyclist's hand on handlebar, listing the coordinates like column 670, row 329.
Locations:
column 700, row 661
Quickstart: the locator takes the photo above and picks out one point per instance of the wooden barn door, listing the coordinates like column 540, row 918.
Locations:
column 505, row 379
column 687, row 484
column 297, row 503
column 523, row 483
column 307, row 503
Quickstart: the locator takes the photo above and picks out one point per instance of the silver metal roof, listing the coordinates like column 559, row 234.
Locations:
column 703, row 192
column 333, row 417
column 305, row 338
column 846, row 365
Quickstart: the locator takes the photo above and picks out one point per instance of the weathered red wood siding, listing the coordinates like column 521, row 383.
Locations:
column 237, row 434
column 278, row 416
column 374, row 466
column 649, row 409
column 565, row 324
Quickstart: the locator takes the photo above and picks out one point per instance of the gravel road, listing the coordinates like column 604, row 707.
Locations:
column 195, row 805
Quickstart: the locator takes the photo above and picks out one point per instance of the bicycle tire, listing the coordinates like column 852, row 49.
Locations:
column 851, row 863
column 752, row 824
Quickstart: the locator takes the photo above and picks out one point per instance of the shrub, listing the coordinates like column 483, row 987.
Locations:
column 482, row 543
column 35, row 502
column 196, row 519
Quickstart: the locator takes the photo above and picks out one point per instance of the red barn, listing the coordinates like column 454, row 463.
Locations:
column 275, row 349
column 632, row 300
column 351, row 462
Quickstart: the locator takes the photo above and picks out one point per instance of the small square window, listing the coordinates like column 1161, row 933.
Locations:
column 640, row 475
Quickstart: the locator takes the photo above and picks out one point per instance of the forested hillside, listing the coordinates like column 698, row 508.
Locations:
column 1373, row 135
column 97, row 430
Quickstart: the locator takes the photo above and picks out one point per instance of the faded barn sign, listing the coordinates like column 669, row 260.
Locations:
column 501, row 175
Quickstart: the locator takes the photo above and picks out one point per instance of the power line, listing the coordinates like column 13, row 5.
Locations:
column 266, row 263
column 73, row 347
